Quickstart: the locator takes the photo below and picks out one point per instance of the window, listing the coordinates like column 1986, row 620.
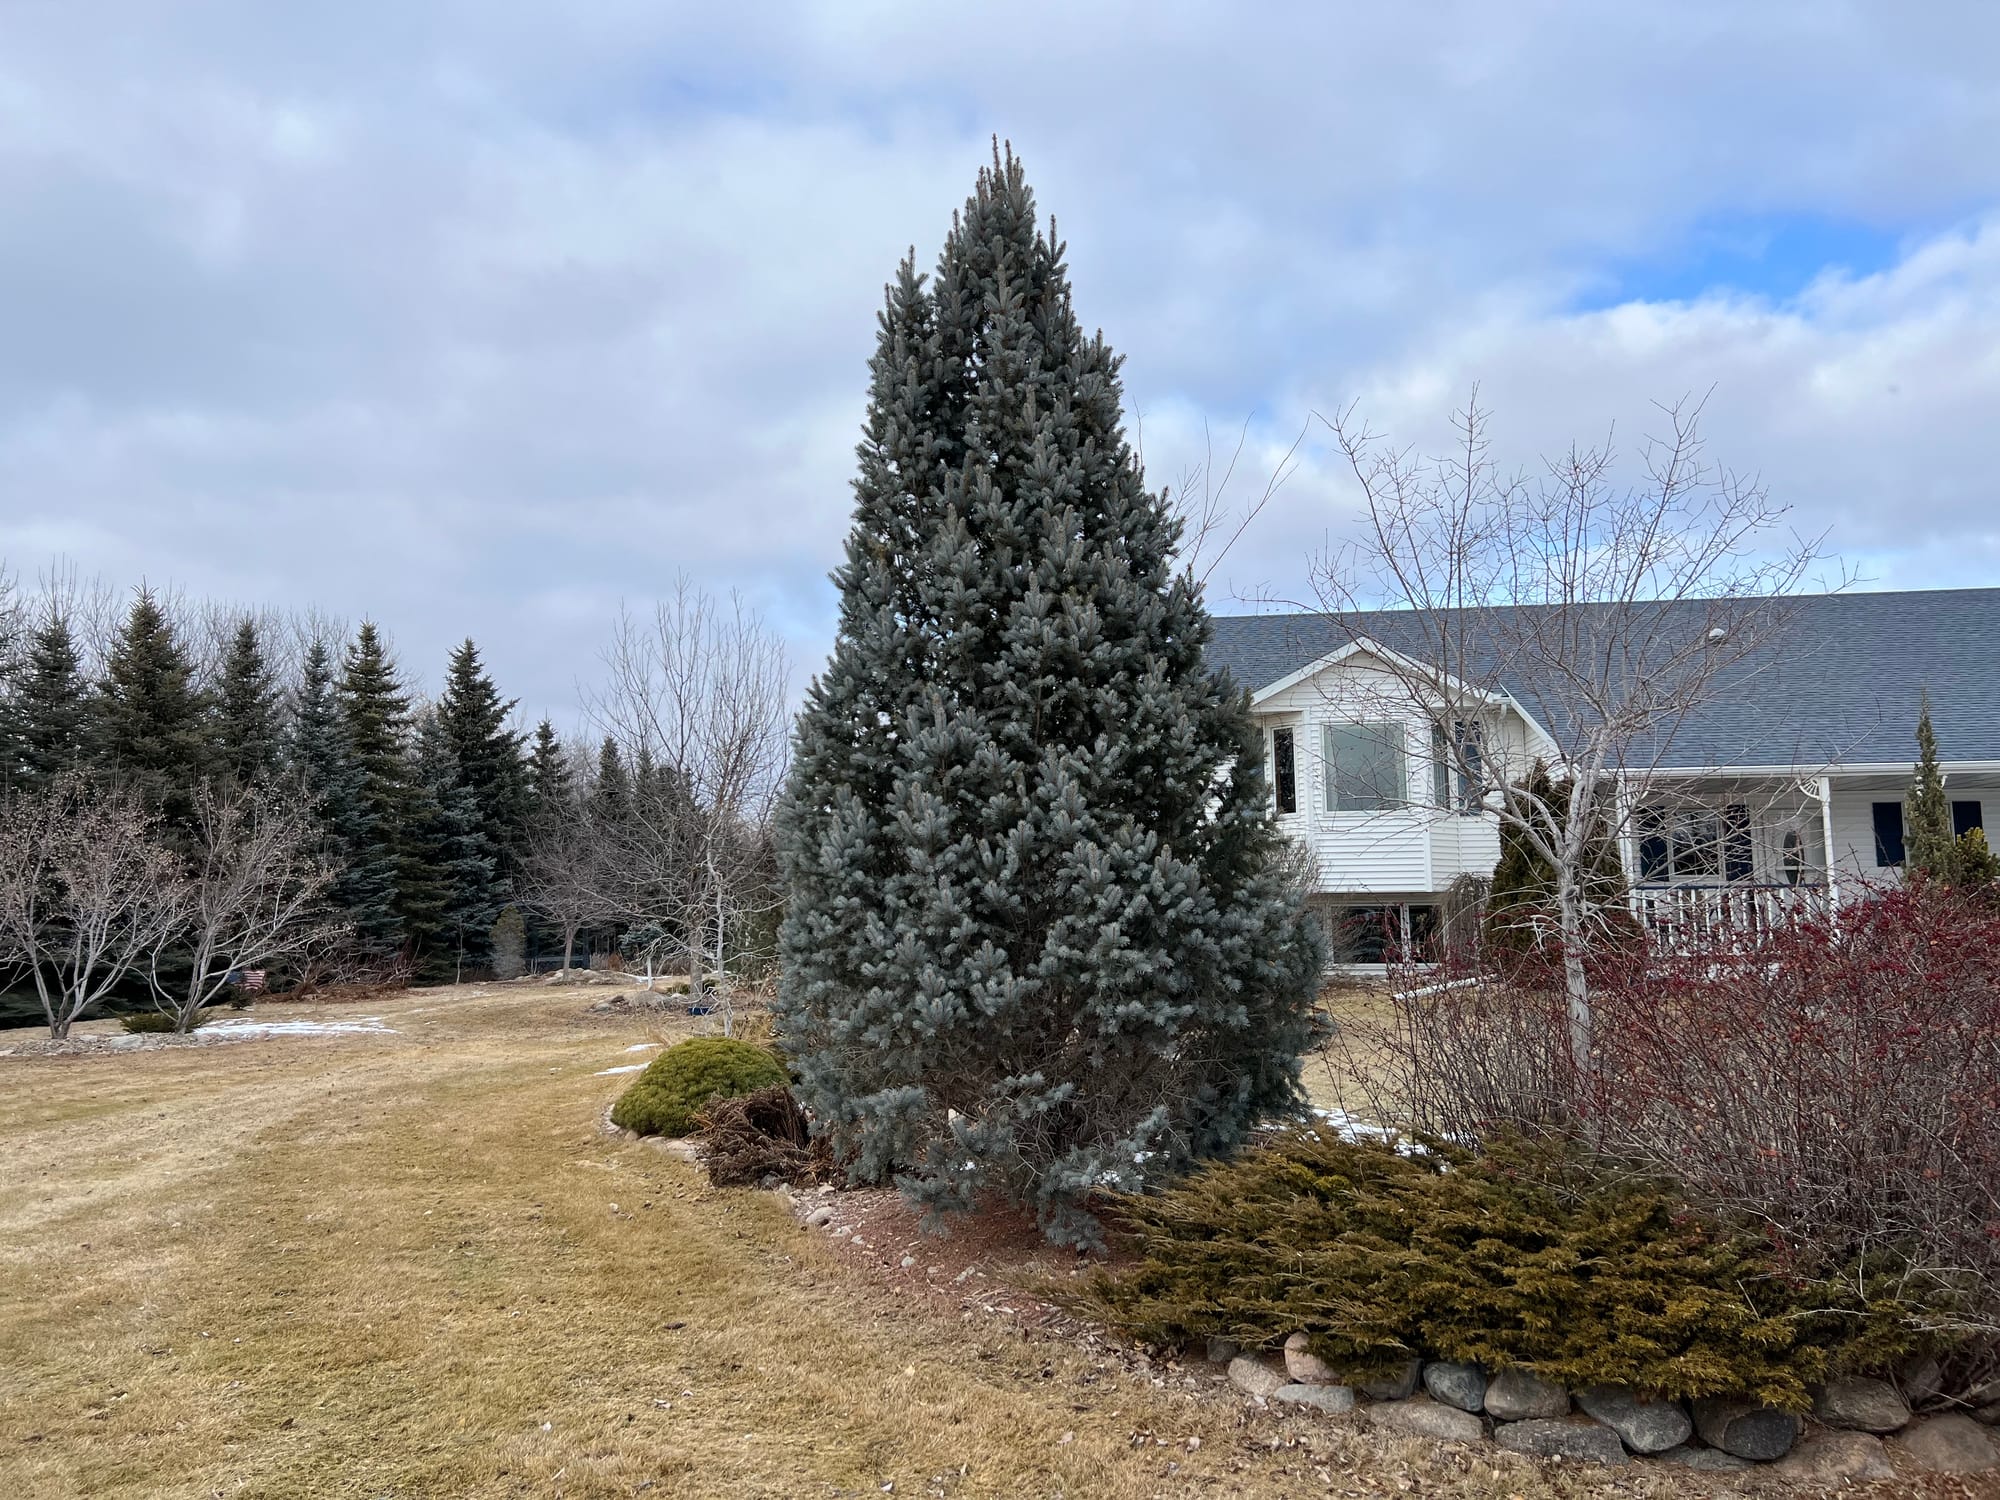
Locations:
column 1964, row 818
column 1888, row 833
column 1694, row 844
column 1795, row 857
column 1446, row 773
column 1284, row 770
column 1364, row 767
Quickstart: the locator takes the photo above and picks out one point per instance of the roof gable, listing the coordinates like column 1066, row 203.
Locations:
column 1841, row 684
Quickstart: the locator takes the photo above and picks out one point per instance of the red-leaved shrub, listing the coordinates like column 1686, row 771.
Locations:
column 1837, row 1078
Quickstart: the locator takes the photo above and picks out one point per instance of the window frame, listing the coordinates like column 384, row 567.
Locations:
column 1394, row 739
column 1285, row 771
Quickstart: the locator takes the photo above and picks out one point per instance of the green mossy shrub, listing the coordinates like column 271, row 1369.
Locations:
column 153, row 1021
column 1519, row 1257
column 682, row 1081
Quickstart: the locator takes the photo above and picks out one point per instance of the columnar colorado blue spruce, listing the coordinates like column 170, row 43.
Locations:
column 1040, row 938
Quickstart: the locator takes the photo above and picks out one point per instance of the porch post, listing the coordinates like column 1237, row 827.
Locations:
column 1826, row 842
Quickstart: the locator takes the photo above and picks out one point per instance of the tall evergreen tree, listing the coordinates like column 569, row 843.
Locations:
column 374, row 722
column 473, row 719
column 550, row 784
column 1928, row 842
column 447, row 894
column 611, row 790
column 247, row 719
column 50, row 720
column 1039, row 937
column 150, row 716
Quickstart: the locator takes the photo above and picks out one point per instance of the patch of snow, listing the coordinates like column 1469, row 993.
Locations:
column 644, row 1046
column 366, row 1026
column 628, row 1068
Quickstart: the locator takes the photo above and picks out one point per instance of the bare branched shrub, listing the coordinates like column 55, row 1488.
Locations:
column 1838, row 1081
column 1461, row 1054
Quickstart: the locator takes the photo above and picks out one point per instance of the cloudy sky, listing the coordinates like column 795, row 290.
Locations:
column 477, row 318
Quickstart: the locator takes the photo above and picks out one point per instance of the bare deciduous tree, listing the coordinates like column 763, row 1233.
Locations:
column 564, row 871
column 87, row 895
column 697, row 698
column 1607, row 612
column 254, row 897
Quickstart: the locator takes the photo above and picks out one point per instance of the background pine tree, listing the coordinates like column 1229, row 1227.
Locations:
column 473, row 719
column 151, row 719
column 51, row 725
column 550, row 784
column 374, row 722
column 446, row 896
column 1038, row 940
column 247, row 718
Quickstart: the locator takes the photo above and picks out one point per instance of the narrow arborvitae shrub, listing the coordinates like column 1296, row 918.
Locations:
column 1521, row 926
column 508, row 941
column 1928, row 843
column 1520, row 1257
column 1040, row 936
column 668, row 1098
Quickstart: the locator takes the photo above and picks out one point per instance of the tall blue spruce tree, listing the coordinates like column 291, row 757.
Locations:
column 1039, row 940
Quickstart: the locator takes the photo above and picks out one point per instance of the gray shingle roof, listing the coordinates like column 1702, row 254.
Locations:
column 1840, row 684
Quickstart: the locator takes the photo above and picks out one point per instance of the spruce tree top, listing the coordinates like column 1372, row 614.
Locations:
column 1037, row 937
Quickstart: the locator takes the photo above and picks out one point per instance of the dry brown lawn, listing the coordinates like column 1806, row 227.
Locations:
column 414, row 1265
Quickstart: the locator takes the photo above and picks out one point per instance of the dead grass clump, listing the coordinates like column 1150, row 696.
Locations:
column 761, row 1135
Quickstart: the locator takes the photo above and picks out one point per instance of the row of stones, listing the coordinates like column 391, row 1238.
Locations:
column 1534, row 1416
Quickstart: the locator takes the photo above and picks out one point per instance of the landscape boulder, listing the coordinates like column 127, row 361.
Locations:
column 1332, row 1399
column 1462, row 1386
column 1951, row 1444
column 1561, row 1437
column 1758, row 1433
column 1861, row 1404
column 1702, row 1460
column 1222, row 1351
column 1829, row 1459
column 1395, row 1385
column 1424, row 1418
column 1254, row 1377
column 1644, row 1426
column 1518, row 1396
column 1305, row 1366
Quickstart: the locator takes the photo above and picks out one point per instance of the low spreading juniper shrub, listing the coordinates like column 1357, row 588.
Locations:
column 148, row 1022
column 1522, row 1256
column 668, row 1098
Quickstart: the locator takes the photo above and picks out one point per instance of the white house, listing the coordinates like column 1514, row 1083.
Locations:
column 1782, row 785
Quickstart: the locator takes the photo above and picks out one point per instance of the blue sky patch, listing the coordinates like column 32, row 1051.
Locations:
column 1771, row 256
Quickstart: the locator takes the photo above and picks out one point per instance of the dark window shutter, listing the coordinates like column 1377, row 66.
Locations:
column 1888, row 833
column 1964, row 818
column 1739, row 860
column 1652, row 845
column 1284, row 770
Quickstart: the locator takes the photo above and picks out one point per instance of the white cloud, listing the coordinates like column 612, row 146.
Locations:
column 472, row 317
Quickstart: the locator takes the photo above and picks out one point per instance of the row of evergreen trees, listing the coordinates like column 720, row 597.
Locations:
column 424, row 806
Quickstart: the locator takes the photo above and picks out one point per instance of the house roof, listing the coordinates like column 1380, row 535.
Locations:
column 1837, row 684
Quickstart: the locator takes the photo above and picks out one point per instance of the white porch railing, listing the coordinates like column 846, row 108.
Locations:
column 1675, row 916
